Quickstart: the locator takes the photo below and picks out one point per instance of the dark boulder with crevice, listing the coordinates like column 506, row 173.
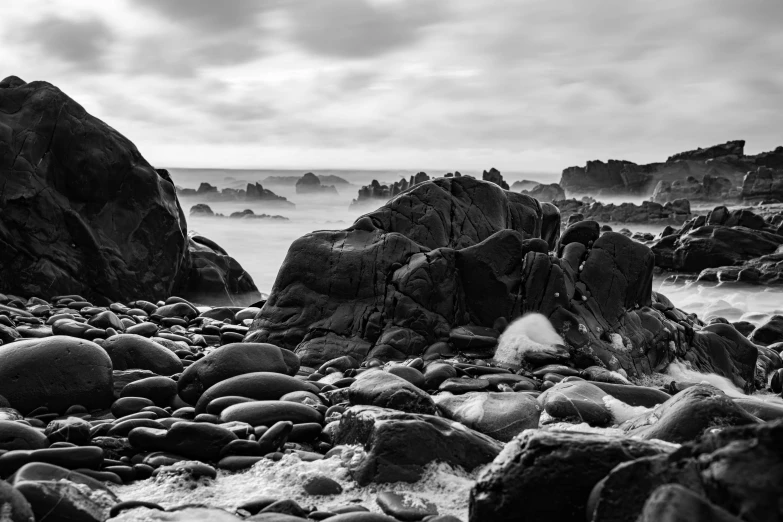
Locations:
column 458, row 254
column 81, row 210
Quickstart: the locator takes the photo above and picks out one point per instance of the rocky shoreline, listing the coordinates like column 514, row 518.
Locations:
column 460, row 353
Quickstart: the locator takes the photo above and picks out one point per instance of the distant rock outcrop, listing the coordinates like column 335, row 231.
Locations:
column 311, row 184
column 493, row 175
column 375, row 192
column 551, row 192
column 83, row 212
column 290, row 181
column 203, row 210
column 763, row 185
column 253, row 192
column 725, row 241
column 523, row 184
column 710, row 188
column 672, row 213
column 627, row 178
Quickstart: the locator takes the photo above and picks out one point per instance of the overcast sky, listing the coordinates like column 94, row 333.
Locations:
column 534, row 85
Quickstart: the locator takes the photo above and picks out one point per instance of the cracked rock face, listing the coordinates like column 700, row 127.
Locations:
column 82, row 211
column 456, row 252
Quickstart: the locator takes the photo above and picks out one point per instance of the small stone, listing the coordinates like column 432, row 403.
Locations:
column 322, row 485
column 405, row 507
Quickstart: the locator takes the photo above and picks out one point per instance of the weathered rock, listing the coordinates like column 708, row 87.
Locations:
column 158, row 389
column 83, row 212
column 493, row 175
column 710, row 188
column 624, row 177
column 311, row 184
column 688, row 415
column 386, row 390
column 231, row 360
column 763, row 184
column 551, row 192
column 128, row 351
column 267, row 413
column 549, row 475
column 397, row 446
column 71, row 429
column 16, row 435
column 768, row 333
column 56, row 372
column 13, row 505
column 674, row 503
column 674, row 212
column 502, row 416
column 581, row 401
column 55, row 493
column 194, row 440
column 375, row 192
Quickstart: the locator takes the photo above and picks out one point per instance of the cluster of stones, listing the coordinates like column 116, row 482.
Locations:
column 254, row 192
column 99, row 396
column 203, row 210
column 725, row 246
column 671, row 213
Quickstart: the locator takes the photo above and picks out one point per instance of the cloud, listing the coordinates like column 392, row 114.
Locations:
column 521, row 84
column 211, row 15
column 82, row 44
column 360, row 28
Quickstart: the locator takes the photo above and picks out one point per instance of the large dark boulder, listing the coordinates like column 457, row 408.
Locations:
column 57, row 372
column 397, row 446
column 543, row 475
column 449, row 258
column 82, row 211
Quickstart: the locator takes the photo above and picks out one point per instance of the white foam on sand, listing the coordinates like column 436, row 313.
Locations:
column 445, row 486
column 682, row 371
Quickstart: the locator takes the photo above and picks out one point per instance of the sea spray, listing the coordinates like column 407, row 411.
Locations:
column 682, row 371
column 529, row 335
column 449, row 486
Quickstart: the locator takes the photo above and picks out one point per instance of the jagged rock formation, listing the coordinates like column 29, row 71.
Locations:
column 203, row 210
column 551, row 192
column 494, row 176
column 740, row 244
column 710, row 188
column 763, row 185
column 625, row 177
column 311, row 184
column 253, row 192
column 375, row 192
column 675, row 212
column 524, row 184
column 81, row 211
column 447, row 259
